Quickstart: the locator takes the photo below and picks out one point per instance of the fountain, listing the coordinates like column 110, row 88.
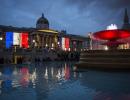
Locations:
column 113, row 58
column 112, row 37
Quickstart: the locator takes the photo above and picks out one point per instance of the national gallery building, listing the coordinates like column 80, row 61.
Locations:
column 41, row 37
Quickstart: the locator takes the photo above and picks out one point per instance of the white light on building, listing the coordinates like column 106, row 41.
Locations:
column 16, row 38
column 106, row 48
column 52, row 45
column 46, row 45
column 65, row 49
column 63, row 43
column 33, row 41
column 69, row 49
column 1, row 38
column 0, row 73
column 46, row 74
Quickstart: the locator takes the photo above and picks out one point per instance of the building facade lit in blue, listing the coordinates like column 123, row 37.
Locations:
column 9, row 39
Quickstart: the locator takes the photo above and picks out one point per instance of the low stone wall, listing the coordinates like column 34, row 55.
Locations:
column 111, row 59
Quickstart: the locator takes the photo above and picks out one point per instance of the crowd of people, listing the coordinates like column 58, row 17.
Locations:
column 47, row 55
column 53, row 55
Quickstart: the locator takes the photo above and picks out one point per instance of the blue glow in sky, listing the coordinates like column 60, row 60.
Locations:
column 75, row 16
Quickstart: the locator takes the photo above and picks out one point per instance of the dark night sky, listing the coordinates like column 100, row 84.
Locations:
column 75, row 16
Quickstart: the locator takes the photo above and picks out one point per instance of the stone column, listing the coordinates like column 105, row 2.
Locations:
column 50, row 42
column 55, row 40
column 46, row 41
column 37, row 40
column 42, row 41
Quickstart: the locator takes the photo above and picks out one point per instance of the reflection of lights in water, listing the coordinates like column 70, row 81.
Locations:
column 24, row 76
column 15, row 72
column 7, row 82
column 0, row 83
column 67, row 72
column 33, row 78
column 46, row 74
column 0, row 92
column 75, row 75
column 52, row 71
column 58, row 74
column 0, row 74
column 15, row 83
column 80, row 75
column 74, row 68
column 63, row 72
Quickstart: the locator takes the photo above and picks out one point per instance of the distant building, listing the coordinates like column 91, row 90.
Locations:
column 126, row 24
column 41, row 37
column 42, row 23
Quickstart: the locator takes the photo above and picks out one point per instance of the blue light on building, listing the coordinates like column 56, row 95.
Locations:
column 9, row 39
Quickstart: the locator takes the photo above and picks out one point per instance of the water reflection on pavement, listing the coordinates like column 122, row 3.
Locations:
column 58, row 81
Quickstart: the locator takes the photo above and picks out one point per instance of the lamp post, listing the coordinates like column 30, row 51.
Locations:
column 1, row 42
column 14, row 54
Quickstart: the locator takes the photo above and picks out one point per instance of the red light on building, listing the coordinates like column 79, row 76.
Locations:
column 67, row 43
column 24, row 40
